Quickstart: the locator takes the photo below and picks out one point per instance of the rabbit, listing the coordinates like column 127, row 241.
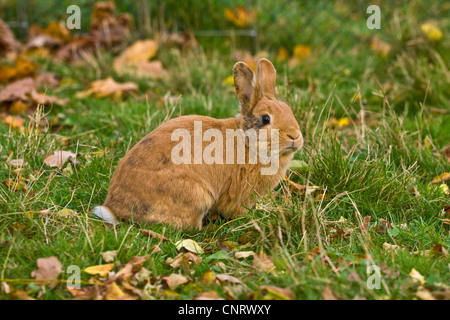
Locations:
column 148, row 186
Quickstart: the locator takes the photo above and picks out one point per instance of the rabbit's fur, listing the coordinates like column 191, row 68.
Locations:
column 148, row 186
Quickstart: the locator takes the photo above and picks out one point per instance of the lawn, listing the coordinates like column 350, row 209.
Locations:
column 364, row 212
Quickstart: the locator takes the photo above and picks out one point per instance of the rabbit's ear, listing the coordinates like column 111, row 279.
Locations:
column 265, row 79
column 243, row 82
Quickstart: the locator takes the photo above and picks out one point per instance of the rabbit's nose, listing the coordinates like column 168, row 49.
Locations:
column 291, row 137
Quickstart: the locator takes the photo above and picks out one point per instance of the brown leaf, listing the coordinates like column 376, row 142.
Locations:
column 175, row 280
column 183, row 258
column 48, row 270
column 109, row 256
column 42, row 98
column 108, row 87
column 210, row 295
column 365, row 225
column 87, row 293
column 16, row 90
column 20, row 294
column 132, row 266
column 278, row 293
column 263, row 263
column 153, row 235
column 327, row 294
column 228, row 278
column 8, row 42
column 441, row 178
column 134, row 60
column 15, row 122
column 59, row 157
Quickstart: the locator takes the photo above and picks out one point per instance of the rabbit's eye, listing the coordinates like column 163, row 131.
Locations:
column 265, row 119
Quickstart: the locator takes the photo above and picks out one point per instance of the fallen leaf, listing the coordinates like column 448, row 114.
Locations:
column 48, row 270
column 441, row 178
column 277, row 293
column 210, row 295
column 416, row 276
column 380, row 47
column 228, row 278
column 134, row 265
column 21, row 294
column 301, row 52
column 113, row 292
column 59, row 157
column 390, row 247
column 17, row 184
column 174, row 280
column 108, row 87
column 17, row 90
column 327, row 294
column 183, row 257
column 298, row 166
column 263, row 263
column 15, row 122
column 8, row 42
column 244, row 254
column 153, row 235
column 135, row 60
column 22, row 68
column 424, row 294
column 42, row 98
column 240, row 16
column 109, row 256
column 102, row 270
column 432, row 32
column 189, row 245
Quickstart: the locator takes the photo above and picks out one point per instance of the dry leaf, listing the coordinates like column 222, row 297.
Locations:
column 48, row 270
column 327, row 294
column 109, row 256
column 16, row 90
column 134, row 265
column 183, row 257
column 102, row 270
column 20, row 294
column 228, row 278
column 42, row 98
column 153, row 234
column 113, row 292
column 108, row 87
column 8, row 42
column 189, row 245
column 17, row 184
column 22, row 68
column 277, row 293
column 211, row 295
column 441, row 178
column 424, row 294
column 416, row 276
column 263, row 263
column 244, row 254
column 175, row 280
column 390, row 247
column 240, row 16
column 380, row 47
column 59, row 157
column 134, row 60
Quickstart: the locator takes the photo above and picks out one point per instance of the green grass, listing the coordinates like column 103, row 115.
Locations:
column 364, row 169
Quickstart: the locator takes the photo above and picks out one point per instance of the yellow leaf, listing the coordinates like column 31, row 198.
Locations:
column 431, row 31
column 189, row 245
column 240, row 16
column 101, row 270
column 416, row 276
column 382, row 48
column 343, row 122
column 113, row 292
column 441, row 178
column 282, row 54
column 228, row 81
column 301, row 52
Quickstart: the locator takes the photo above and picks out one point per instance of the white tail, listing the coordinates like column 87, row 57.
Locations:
column 105, row 214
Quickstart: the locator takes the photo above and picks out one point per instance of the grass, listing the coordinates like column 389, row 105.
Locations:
column 365, row 168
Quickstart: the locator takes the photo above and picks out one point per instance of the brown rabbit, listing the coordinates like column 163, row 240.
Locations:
column 152, row 183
